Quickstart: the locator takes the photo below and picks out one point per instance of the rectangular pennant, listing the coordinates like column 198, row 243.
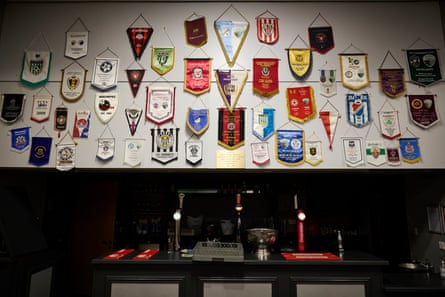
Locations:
column 164, row 148
column 289, row 147
column 20, row 139
column 265, row 76
column 197, row 75
column 354, row 71
column 160, row 104
column 231, row 131
column 424, row 67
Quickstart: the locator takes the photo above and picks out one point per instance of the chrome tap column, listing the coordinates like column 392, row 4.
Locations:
column 177, row 217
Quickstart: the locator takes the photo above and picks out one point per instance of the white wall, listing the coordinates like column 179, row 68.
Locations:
column 374, row 28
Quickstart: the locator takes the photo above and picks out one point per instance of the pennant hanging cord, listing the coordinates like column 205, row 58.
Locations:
column 295, row 39
column 140, row 17
column 420, row 40
column 384, row 59
column 78, row 20
column 352, row 46
column 38, row 36
column 267, row 12
column 165, row 31
column 319, row 16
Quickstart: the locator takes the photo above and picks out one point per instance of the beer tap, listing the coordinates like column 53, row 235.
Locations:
column 177, row 217
column 301, row 216
column 238, row 208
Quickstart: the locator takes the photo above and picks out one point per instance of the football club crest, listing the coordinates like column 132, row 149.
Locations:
column 135, row 77
column 300, row 62
column 105, row 149
column 162, row 59
column 231, row 36
column 375, row 152
column 72, row 85
column 41, row 107
column 267, row 28
column 260, row 153
column 65, row 156
column 134, row 151
column 139, row 38
column 328, row 82
column 313, row 154
column 40, row 151
column 160, row 105
column 290, row 149
column 198, row 120
column 76, row 44
column 106, row 106
column 358, row 109
column 164, row 148
column 389, row 123
column 422, row 110
column 409, row 149
column 133, row 115
column 193, row 151
column 392, row 82
column 300, row 103
column 195, row 30
column 105, row 73
column 265, row 76
column 353, row 151
column 35, row 68
column 197, row 75
column 12, row 106
column 230, row 85
column 354, row 71
column 321, row 39
column 423, row 66
column 263, row 125
column 231, row 130
column 82, row 121
column 20, row 139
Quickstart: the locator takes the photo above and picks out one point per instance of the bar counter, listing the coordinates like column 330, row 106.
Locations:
column 355, row 274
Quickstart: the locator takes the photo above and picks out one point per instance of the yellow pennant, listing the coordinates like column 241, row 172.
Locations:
column 300, row 61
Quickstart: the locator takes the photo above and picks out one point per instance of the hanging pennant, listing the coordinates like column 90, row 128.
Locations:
column 263, row 125
column 300, row 103
column 76, row 41
column 134, row 77
column 267, row 28
column 193, row 151
column 134, row 151
column 424, row 67
column 389, row 123
column 65, row 154
column 105, row 72
column 60, row 118
column 40, row 151
column 422, row 110
column 160, row 104
column 20, row 139
column 289, row 148
column 197, row 75
column 300, row 62
column 230, row 85
column 358, row 109
column 354, row 70
column 41, row 107
column 353, row 151
column 329, row 118
column 392, row 80
column 72, row 85
column 231, row 130
column 260, row 153
column 231, row 35
column 82, row 121
column 195, row 30
column 162, row 59
column 375, row 151
column 133, row 115
column 36, row 65
column 139, row 36
column 12, row 106
column 393, row 155
column 328, row 83
column 410, row 149
column 265, row 76
column 321, row 38
column 105, row 106
column 164, row 147
column 313, row 155
column 105, row 148
column 197, row 120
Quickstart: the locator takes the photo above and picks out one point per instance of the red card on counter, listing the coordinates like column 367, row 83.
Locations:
column 310, row 256
column 116, row 255
column 145, row 255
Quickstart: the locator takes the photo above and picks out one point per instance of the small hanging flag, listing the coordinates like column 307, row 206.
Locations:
column 105, row 72
column 300, row 62
column 263, row 125
column 353, row 151
column 375, row 152
column 133, row 115
column 76, row 41
column 164, row 148
column 35, row 68
column 195, row 30
column 134, row 151
column 329, row 120
column 162, row 59
column 193, row 151
column 105, row 106
column 424, row 67
column 409, row 149
column 230, row 85
column 265, row 76
column 40, row 150
column 160, row 104
column 20, row 139
column 392, row 82
column 231, row 130
column 328, row 83
column 105, row 148
column 82, row 123
column 12, row 106
column 321, row 39
column 389, row 123
column 41, row 107
column 197, row 76
column 300, row 103
column 135, row 77
column 267, row 28
column 393, row 155
column 231, row 36
column 60, row 118
column 422, row 110
column 354, row 70
column 313, row 153
column 290, row 147
column 72, row 84
column 358, row 109
column 260, row 153
column 139, row 38
column 65, row 156
column 197, row 120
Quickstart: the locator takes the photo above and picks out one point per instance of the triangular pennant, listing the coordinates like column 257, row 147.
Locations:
column 139, row 38
column 231, row 36
column 329, row 120
column 133, row 115
column 230, row 85
column 135, row 77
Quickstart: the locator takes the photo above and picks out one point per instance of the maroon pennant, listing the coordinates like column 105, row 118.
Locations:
column 139, row 38
column 134, row 78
